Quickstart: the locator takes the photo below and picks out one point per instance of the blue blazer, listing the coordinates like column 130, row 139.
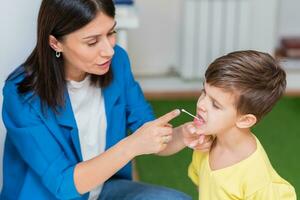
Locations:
column 41, row 150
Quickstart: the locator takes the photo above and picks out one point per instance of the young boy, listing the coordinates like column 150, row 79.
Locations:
column 240, row 88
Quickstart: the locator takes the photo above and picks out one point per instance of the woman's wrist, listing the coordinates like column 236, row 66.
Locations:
column 128, row 148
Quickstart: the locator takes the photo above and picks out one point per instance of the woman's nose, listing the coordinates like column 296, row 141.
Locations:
column 107, row 49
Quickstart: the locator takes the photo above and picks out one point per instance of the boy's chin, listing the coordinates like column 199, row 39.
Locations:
column 206, row 131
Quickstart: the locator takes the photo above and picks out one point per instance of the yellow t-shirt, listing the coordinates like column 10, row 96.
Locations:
column 251, row 179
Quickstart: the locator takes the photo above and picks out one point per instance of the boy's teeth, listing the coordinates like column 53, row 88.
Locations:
column 198, row 122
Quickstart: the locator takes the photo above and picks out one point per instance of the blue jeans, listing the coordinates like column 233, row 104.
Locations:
column 121, row 189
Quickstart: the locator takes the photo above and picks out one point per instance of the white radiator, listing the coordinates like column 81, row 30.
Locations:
column 212, row 28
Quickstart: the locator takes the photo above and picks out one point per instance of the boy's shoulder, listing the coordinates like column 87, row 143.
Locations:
column 259, row 173
column 258, row 170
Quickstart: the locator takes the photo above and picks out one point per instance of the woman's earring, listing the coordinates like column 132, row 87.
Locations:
column 57, row 54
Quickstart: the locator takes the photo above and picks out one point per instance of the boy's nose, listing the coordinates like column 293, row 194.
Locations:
column 201, row 106
column 201, row 109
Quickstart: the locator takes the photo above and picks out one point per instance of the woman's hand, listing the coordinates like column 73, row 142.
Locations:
column 194, row 138
column 153, row 136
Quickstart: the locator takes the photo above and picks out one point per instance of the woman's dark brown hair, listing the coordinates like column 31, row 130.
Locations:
column 255, row 77
column 44, row 73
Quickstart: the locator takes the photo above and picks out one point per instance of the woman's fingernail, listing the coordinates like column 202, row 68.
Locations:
column 177, row 112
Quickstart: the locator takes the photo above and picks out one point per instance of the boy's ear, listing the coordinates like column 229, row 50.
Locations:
column 55, row 44
column 246, row 121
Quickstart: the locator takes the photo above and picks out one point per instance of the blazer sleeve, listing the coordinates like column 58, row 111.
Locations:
column 36, row 145
column 138, row 110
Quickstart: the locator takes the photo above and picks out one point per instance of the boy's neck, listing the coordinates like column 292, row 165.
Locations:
column 234, row 139
column 231, row 147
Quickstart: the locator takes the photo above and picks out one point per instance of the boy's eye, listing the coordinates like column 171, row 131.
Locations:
column 215, row 105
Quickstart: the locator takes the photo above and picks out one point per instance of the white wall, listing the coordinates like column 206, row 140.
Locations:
column 17, row 39
column 263, row 16
column 289, row 18
column 154, row 45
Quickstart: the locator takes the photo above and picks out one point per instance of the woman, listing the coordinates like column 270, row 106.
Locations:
column 67, row 110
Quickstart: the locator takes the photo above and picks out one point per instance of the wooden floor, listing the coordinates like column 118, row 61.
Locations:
column 176, row 88
column 172, row 95
column 192, row 94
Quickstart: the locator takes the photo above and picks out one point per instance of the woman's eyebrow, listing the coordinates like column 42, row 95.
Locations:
column 97, row 35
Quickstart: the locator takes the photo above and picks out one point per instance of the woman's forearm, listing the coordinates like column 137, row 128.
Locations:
column 145, row 140
column 91, row 173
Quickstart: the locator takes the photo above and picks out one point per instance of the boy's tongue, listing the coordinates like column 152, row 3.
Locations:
column 198, row 122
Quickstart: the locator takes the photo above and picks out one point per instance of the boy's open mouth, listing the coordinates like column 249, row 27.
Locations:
column 200, row 121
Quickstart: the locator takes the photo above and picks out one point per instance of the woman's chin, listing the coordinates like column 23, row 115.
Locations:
column 100, row 72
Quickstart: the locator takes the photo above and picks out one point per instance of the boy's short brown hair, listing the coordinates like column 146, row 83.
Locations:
column 255, row 77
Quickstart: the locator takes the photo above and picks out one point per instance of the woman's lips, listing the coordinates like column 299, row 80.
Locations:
column 105, row 65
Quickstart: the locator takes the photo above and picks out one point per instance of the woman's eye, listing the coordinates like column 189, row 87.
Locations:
column 90, row 44
column 112, row 33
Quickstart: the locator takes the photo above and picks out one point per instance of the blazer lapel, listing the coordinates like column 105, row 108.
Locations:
column 111, row 94
column 64, row 118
